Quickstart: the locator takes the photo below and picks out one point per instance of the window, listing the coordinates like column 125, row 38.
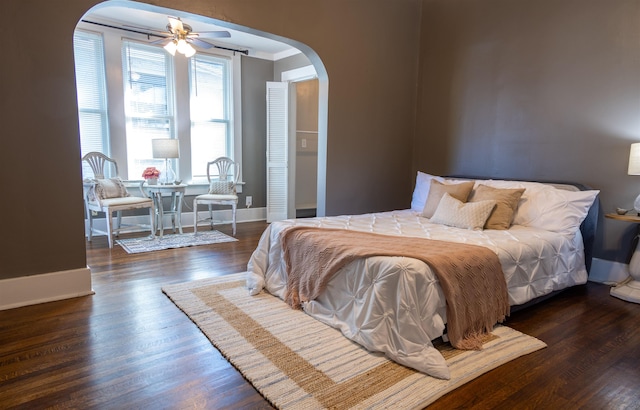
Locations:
column 148, row 102
column 92, row 96
column 160, row 96
column 209, row 107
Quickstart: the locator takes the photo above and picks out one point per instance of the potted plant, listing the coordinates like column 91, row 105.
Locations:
column 151, row 174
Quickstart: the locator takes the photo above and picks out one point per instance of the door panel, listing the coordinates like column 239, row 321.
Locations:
column 277, row 151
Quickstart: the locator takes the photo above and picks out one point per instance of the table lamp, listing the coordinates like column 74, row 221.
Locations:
column 166, row 148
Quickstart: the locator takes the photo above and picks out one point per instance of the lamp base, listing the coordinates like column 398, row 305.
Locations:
column 629, row 291
column 636, row 205
column 169, row 175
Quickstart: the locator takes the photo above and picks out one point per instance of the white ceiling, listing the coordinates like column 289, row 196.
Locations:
column 155, row 20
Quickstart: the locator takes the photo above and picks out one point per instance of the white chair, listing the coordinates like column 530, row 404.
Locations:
column 222, row 190
column 109, row 195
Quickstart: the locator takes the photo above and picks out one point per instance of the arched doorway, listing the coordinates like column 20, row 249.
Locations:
column 145, row 23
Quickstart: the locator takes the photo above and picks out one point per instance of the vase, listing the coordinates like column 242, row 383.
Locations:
column 152, row 181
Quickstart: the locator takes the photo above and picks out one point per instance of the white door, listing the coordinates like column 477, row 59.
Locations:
column 277, row 151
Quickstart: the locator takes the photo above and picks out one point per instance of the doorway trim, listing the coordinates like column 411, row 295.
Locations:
column 295, row 75
column 299, row 74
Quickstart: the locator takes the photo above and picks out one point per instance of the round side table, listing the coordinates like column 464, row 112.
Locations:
column 177, row 193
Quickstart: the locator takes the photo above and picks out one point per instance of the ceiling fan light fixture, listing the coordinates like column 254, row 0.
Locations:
column 171, row 48
column 182, row 46
column 189, row 51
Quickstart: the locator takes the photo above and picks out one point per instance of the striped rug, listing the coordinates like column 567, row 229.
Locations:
column 297, row 362
column 181, row 240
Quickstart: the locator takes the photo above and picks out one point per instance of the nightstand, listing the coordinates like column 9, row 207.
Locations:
column 630, row 289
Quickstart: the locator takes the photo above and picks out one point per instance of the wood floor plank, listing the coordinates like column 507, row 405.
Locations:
column 128, row 346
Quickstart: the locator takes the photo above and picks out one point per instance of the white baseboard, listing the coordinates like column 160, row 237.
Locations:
column 46, row 287
column 608, row 272
column 221, row 216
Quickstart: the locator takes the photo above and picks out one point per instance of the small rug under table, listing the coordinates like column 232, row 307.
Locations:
column 157, row 243
column 297, row 362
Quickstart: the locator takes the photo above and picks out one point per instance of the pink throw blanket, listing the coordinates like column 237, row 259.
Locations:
column 471, row 276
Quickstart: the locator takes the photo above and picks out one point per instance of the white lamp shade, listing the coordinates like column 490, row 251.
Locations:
column 182, row 46
column 171, row 48
column 634, row 159
column 165, row 148
column 189, row 51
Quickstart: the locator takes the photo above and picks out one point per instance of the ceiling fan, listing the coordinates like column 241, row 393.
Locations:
column 180, row 36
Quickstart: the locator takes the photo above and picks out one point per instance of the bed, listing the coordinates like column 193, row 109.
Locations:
column 395, row 304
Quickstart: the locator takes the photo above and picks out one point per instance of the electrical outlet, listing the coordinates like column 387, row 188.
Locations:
column 249, row 201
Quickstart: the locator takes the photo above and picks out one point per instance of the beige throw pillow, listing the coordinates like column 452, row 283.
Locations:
column 110, row 188
column 471, row 215
column 506, row 204
column 437, row 190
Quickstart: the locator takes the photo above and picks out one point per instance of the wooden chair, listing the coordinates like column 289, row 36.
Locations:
column 109, row 195
column 222, row 190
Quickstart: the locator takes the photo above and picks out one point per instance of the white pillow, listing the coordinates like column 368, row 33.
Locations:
column 556, row 210
column 546, row 207
column 421, row 191
column 218, row 187
column 470, row 215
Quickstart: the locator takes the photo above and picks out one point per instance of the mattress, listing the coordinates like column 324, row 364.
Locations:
column 394, row 305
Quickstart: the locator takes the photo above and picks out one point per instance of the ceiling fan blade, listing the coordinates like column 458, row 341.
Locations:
column 163, row 41
column 212, row 34
column 199, row 43
column 144, row 28
column 176, row 24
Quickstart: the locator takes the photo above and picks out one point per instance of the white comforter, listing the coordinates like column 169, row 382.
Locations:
column 395, row 305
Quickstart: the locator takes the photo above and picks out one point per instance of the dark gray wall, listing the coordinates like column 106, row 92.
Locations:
column 546, row 89
column 39, row 144
column 370, row 117
column 519, row 88
column 255, row 74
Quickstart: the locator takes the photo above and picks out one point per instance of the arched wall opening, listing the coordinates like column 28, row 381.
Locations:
column 311, row 56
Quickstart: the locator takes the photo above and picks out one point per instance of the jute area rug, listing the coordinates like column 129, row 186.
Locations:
column 297, row 362
column 146, row 244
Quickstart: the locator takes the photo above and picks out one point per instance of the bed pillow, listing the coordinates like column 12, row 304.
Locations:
column 547, row 207
column 470, row 215
column 459, row 191
column 421, row 190
column 506, row 204
column 556, row 210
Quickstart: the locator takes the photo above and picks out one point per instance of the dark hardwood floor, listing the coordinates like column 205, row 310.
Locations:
column 128, row 346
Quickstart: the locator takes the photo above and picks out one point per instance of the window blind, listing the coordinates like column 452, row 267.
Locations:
column 91, row 94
